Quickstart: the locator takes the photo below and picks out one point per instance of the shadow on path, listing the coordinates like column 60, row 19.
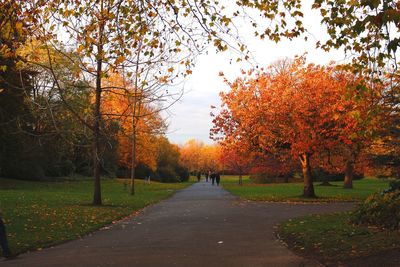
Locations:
column 202, row 225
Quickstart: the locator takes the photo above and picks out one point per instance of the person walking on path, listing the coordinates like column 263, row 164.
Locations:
column 212, row 176
column 217, row 178
column 207, row 174
column 3, row 240
column 198, row 176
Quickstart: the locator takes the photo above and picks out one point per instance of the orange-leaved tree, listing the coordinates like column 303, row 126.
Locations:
column 148, row 124
column 362, row 121
column 284, row 112
column 210, row 158
column 199, row 157
column 190, row 154
column 236, row 159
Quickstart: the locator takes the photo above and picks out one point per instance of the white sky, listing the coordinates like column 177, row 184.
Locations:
column 190, row 118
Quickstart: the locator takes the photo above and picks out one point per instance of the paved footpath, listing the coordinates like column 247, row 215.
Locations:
column 202, row 225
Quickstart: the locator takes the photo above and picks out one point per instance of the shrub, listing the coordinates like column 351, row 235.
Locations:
column 321, row 175
column 271, row 170
column 62, row 168
column 380, row 209
column 393, row 186
column 23, row 169
column 266, row 178
column 122, row 172
column 183, row 173
column 167, row 175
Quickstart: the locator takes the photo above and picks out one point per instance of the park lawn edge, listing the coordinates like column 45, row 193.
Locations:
column 299, row 200
column 332, row 240
column 94, row 230
column 296, row 200
column 88, row 233
column 292, row 192
column 104, row 226
column 113, row 219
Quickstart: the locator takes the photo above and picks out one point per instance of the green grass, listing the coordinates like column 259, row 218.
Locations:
column 331, row 238
column 40, row 214
column 293, row 191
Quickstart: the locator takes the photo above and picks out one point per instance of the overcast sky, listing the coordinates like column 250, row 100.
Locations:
column 190, row 118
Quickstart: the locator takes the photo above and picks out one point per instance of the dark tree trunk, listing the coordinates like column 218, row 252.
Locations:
column 348, row 174
column 96, row 141
column 97, row 116
column 240, row 179
column 307, row 176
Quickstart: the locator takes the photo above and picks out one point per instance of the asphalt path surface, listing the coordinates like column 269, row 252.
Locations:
column 202, row 225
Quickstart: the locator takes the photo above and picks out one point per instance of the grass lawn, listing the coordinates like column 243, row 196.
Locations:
column 331, row 239
column 39, row 214
column 293, row 191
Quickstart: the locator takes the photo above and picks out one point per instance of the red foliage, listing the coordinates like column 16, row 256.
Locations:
column 298, row 110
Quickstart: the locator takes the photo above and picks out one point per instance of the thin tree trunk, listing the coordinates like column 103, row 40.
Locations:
column 348, row 174
column 133, row 163
column 240, row 179
column 135, row 120
column 96, row 159
column 97, row 117
column 308, row 180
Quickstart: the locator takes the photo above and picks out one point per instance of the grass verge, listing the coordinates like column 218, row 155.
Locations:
column 40, row 214
column 291, row 192
column 331, row 239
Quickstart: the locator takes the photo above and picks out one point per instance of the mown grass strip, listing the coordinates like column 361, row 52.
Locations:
column 291, row 192
column 40, row 214
column 331, row 239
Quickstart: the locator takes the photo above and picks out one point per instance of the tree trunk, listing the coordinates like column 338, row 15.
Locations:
column 135, row 120
column 133, row 161
column 97, row 116
column 348, row 174
column 96, row 141
column 308, row 180
column 240, row 179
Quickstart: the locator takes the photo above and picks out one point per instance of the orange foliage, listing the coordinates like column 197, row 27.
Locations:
column 293, row 110
column 210, row 158
column 118, row 105
column 196, row 156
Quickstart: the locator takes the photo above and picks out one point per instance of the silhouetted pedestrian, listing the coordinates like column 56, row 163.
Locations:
column 3, row 240
column 207, row 174
column 212, row 176
column 217, row 178
column 198, row 176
